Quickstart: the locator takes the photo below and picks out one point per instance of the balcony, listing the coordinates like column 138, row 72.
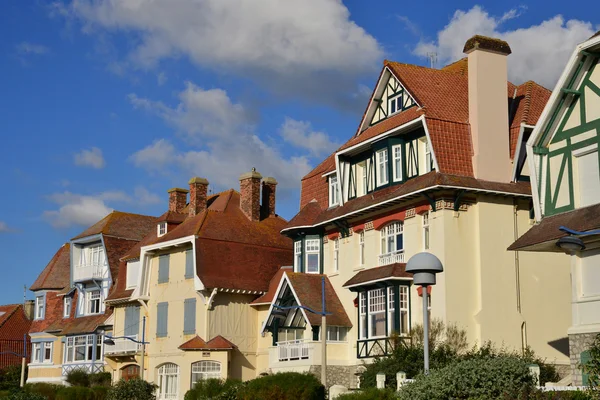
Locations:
column 88, row 272
column 391, row 258
column 122, row 347
column 294, row 350
column 88, row 367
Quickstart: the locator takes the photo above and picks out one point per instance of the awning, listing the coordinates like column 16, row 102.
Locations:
column 379, row 275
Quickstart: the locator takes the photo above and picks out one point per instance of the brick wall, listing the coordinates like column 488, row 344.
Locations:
column 315, row 187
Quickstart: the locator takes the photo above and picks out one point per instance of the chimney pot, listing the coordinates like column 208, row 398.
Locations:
column 177, row 199
column 198, row 195
column 269, row 185
column 250, row 194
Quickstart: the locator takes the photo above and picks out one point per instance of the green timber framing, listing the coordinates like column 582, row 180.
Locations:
column 577, row 103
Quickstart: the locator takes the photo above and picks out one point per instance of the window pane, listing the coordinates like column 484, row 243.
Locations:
column 312, row 262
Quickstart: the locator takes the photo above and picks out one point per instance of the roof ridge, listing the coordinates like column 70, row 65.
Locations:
column 425, row 67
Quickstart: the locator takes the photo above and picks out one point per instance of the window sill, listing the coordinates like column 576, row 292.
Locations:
column 42, row 365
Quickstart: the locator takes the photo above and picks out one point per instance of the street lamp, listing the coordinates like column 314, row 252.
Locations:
column 109, row 340
column 424, row 266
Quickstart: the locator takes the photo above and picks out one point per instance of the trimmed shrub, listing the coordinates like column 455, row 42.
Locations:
column 133, row 389
column 558, row 395
column 214, row 389
column 78, row 377
column 482, row 378
column 76, row 393
column 100, row 379
column 370, row 394
column 283, row 386
column 20, row 395
column 48, row 390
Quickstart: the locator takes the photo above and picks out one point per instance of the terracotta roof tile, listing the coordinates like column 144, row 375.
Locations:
column 308, row 289
column 397, row 270
column 56, row 273
column 327, row 165
column 122, row 225
column 307, row 215
column 543, row 236
column 273, row 284
column 172, row 216
column 216, row 343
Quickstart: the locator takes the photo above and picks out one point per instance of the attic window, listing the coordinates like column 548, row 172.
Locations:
column 162, row 228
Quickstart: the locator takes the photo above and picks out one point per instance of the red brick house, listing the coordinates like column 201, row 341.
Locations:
column 14, row 327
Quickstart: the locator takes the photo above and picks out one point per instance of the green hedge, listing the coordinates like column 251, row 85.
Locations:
column 133, row 389
column 283, row 386
column 48, row 390
column 370, row 394
column 214, row 389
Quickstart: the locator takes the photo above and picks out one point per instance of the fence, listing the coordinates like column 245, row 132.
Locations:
column 14, row 346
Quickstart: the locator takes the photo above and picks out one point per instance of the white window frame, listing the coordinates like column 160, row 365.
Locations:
column 297, row 255
column 363, row 316
column 428, row 157
column 36, row 352
column 397, row 155
column 334, row 190
column 161, row 229
column 426, row 233
column 67, row 306
column 382, row 164
column 365, row 177
column 361, row 248
column 40, row 306
column 312, row 247
column 376, row 306
column 336, row 334
column 392, row 230
column 90, row 298
column 92, row 256
column 47, row 351
column 404, row 310
column 298, row 334
column 168, row 381
column 205, row 369
column 394, row 100
column 72, row 343
column 336, row 255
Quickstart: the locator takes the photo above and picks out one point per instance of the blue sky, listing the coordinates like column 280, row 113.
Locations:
column 107, row 104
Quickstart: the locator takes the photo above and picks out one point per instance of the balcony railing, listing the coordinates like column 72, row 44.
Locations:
column 293, row 350
column 88, row 367
column 88, row 272
column 391, row 258
column 122, row 346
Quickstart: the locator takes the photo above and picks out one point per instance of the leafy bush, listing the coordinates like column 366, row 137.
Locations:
column 558, row 395
column 100, row 379
column 370, row 394
column 283, row 386
column 478, row 378
column 10, row 377
column 21, row 395
column 78, row 377
column 214, row 389
column 592, row 367
column 133, row 389
column 48, row 390
column 441, row 335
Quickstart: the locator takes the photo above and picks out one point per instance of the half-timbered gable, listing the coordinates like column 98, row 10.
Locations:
column 390, row 97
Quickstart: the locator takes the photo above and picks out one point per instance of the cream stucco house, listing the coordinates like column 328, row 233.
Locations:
column 563, row 156
column 437, row 164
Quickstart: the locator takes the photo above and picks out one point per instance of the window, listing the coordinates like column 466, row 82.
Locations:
column 47, row 352
column 67, row 302
column 36, row 353
column 361, row 248
column 83, row 348
column 336, row 333
column 313, row 254
column 93, row 301
column 382, row 167
column 92, row 256
column 377, row 313
column 392, row 238
column 404, row 310
column 363, row 315
column 298, row 256
column 391, row 310
column 428, row 158
column 334, row 191
column 397, row 162
column 426, row 230
column 162, row 228
column 163, row 268
column 205, row 370
column 168, row 381
column 40, row 305
column 365, row 181
column 336, row 255
column 286, row 335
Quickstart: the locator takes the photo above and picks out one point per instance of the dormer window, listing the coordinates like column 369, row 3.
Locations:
column 334, row 191
column 40, row 306
column 67, row 302
column 162, row 228
column 93, row 302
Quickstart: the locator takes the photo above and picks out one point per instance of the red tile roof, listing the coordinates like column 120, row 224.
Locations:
column 267, row 298
column 13, row 322
column 216, row 343
column 56, row 273
column 121, row 225
column 371, row 275
column 307, row 288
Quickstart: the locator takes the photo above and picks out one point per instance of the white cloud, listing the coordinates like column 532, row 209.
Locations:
column 4, row 228
column 539, row 52
column 85, row 210
column 26, row 48
column 90, row 158
column 301, row 135
column 221, row 140
column 287, row 45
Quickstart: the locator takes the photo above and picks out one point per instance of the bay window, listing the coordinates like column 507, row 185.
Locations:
column 92, row 256
column 377, row 313
column 313, row 255
column 404, row 316
column 298, row 255
column 83, row 348
column 36, row 353
column 391, row 296
column 381, row 314
column 363, row 315
column 382, row 167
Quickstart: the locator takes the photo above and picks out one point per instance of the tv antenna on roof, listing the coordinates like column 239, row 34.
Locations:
column 432, row 59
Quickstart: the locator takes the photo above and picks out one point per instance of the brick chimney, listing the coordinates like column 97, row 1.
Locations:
column 488, row 107
column 29, row 308
column 177, row 199
column 250, row 194
column 269, row 184
column 198, row 192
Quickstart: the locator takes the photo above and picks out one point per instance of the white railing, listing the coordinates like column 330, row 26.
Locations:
column 122, row 346
column 293, row 350
column 391, row 258
column 88, row 367
column 87, row 272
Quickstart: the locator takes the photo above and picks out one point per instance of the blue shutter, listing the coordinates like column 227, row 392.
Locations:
column 189, row 317
column 162, row 318
column 163, row 268
column 132, row 321
column 189, row 264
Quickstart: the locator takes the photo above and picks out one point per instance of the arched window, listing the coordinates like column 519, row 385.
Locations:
column 130, row 371
column 392, row 244
column 205, row 370
column 168, row 381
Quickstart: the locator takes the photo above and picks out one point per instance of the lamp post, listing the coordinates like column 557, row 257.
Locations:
column 424, row 266
column 109, row 340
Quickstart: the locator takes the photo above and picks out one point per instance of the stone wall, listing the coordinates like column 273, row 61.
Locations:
column 338, row 375
column 577, row 344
